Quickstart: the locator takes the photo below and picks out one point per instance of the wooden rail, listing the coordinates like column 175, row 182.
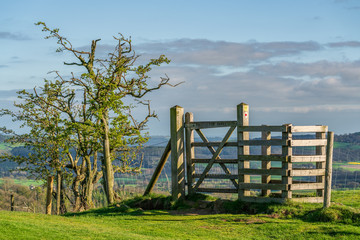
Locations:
column 240, row 181
column 287, row 185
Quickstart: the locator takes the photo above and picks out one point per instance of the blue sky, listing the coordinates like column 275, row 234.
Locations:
column 291, row 61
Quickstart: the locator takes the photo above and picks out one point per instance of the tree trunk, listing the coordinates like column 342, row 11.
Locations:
column 89, row 186
column 108, row 167
column 58, row 193
column 49, row 191
column 75, row 189
column 63, row 209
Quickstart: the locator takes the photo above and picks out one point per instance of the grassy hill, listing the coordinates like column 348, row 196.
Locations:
column 290, row 221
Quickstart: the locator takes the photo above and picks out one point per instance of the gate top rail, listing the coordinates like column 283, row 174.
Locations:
column 210, row 124
column 261, row 128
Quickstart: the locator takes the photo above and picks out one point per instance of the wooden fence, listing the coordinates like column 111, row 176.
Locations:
column 276, row 172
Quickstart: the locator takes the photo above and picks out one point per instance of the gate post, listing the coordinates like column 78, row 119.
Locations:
column 177, row 152
column 243, row 120
column 287, row 166
column 328, row 169
column 190, row 152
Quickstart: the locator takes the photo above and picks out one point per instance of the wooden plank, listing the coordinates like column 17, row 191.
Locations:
column 273, row 171
column 295, row 129
column 307, row 142
column 262, row 128
column 210, row 124
column 320, row 150
column 304, row 186
column 212, row 150
column 273, row 157
column 213, row 144
column 308, row 200
column 158, row 169
column 214, row 157
column 190, row 152
column 309, row 158
column 243, row 120
column 221, row 160
column 272, row 142
column 177, row 152
column 287, row 151
column 262, row 199
column 328, row 167
column 297, row 181
column 266, row 151
column 263, row 186
column 217, row 190
column 307, row 172
column 217, row 176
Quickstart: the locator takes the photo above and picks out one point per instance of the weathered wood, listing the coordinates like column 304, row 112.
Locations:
column 307, row 142
column 271, row 142
column 309, row 158
column 266, row 151
column 210, row 124
column 307, row 172
column 243, row 120
column 12, row 202
column 295, row 129
column 190, row 152
column 286, row 166
column 308, row 199
column 273, row 157
column 217, row 176
column 328, row 169
column 49, row 191
column 214, row 157
column 320, row 150
column 221, row 160
column 158, row 168
column 213, row 151
column 262, row 128
column 213, row 144
column 177, row 152
column 217, row 190
column 262, row 199
column 303, row 186
column 262, row 186
column 272, row 171
column 299, row 181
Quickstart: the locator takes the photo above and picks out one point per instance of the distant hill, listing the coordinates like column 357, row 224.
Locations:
column 353, row 138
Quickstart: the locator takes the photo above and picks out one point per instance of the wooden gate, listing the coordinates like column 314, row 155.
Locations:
column 294, row 162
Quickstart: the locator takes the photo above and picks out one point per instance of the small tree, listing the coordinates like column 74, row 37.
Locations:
column 47, row 142
column 105, row 83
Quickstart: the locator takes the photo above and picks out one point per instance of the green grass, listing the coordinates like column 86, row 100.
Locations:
column 8, row 146
column 161, row 225
column 253, row 221
column 345, row 166
column 346, row 145
column 25, row 182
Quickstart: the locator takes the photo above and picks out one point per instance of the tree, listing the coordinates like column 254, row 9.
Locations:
column 47, row 141
column 106, row 82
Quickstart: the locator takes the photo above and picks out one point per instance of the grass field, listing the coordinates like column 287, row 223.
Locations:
column 24, row 182
column 285, row 222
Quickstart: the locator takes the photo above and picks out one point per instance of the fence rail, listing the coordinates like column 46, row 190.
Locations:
column 317, row 162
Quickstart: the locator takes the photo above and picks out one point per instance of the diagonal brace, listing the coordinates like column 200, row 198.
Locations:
column 214, row 157
column 212, row 150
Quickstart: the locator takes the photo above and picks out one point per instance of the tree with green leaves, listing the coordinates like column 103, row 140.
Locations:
column 106, row 82
column 47, row 142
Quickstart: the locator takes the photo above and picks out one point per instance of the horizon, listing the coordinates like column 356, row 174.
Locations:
column 293, row 63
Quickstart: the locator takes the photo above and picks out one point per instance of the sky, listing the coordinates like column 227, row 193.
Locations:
column 292, row 61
